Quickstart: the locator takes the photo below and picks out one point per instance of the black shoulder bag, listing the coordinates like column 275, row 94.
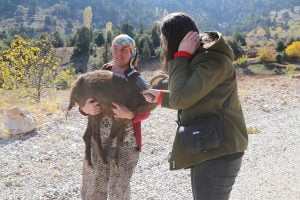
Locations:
column 204, row 134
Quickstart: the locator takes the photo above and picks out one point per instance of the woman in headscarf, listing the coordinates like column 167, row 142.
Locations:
column 105, row 180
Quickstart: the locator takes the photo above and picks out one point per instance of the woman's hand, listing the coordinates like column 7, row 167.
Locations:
column 190, row 43
column 151, row 95
column 123, row 112
column 91, row 107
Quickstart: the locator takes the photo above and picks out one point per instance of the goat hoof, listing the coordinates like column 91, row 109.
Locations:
column 91, row 166
column 103, row 163
column 115, row 165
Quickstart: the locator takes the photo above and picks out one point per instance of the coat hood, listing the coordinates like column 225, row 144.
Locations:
column 214, row 41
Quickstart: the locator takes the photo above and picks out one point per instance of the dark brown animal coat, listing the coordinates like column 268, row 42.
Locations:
column 106, row 88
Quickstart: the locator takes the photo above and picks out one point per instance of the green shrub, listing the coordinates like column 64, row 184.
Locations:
column 279, row 58
column 280, row 46
column 242, row 61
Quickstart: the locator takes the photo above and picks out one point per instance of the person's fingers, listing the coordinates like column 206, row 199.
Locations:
column 150, row 98
column 147, row 98
column 97, row 110
column 188, row 35
column 198, row 44
column 117, row 106
column 115, row 111
column 95, row 113
column 144, row 91
column 149, row 91
column 194, row 37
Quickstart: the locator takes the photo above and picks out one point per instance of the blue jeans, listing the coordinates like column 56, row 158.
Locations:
column 213, row 179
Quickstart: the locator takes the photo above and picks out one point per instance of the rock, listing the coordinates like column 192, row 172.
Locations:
column 17, row 120
column 266, row 108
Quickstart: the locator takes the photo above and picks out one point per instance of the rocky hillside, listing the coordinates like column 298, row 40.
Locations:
column 225, row 15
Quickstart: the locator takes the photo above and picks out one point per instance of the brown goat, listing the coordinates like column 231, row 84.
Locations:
column 107, row 88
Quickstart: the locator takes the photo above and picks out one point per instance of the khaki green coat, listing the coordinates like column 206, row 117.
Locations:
column 199, row 87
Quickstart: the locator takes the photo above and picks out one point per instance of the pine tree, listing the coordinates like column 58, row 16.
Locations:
column 99, row 39
column 279, row 46
column 109, row 37
column 155, row 37
column 146, row 49
column 58, row 39
column 83, row 41
column 127, row 29
column 105, row 53
column 238, row 37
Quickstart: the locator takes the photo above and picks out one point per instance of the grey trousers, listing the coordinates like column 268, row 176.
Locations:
column 213, row 179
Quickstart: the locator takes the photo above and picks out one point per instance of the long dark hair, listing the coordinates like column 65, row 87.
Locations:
column 174, row 27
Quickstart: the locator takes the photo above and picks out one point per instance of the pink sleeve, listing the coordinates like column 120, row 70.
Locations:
column 140, row 117
column 160, row 97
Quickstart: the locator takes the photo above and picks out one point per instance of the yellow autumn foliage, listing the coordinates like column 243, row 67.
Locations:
column 30, row 64
column 293, row 50
column 261, row 32
column 267, row 54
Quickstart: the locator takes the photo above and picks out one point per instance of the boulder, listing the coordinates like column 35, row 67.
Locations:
column 17, row 120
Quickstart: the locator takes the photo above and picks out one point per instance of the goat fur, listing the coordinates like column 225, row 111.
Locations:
column 106, row 88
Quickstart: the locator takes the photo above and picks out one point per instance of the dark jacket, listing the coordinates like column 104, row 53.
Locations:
column 199, row 87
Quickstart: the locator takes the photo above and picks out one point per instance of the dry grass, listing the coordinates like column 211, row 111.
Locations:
column 253, row 130
column 49, row 104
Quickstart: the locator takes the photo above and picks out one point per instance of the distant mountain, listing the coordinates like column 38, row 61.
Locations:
column 224, row 15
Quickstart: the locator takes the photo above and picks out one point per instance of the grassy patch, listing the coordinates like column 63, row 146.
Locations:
column 253, row 130
column 8, row 183
column 261, row 69
column 290, row 70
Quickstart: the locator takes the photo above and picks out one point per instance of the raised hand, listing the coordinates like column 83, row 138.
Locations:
column 190, row 43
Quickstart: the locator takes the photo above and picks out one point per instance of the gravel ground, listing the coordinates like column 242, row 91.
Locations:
column 47, row 164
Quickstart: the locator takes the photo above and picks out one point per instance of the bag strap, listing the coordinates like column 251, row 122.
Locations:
column 225, row 104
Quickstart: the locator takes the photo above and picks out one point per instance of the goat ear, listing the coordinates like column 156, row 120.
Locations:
column 71, row 103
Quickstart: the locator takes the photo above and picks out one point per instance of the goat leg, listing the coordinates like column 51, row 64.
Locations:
column 97, row 138
column 87, row 140
column 120, row 138
column 118, row 130
column 114, row 129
